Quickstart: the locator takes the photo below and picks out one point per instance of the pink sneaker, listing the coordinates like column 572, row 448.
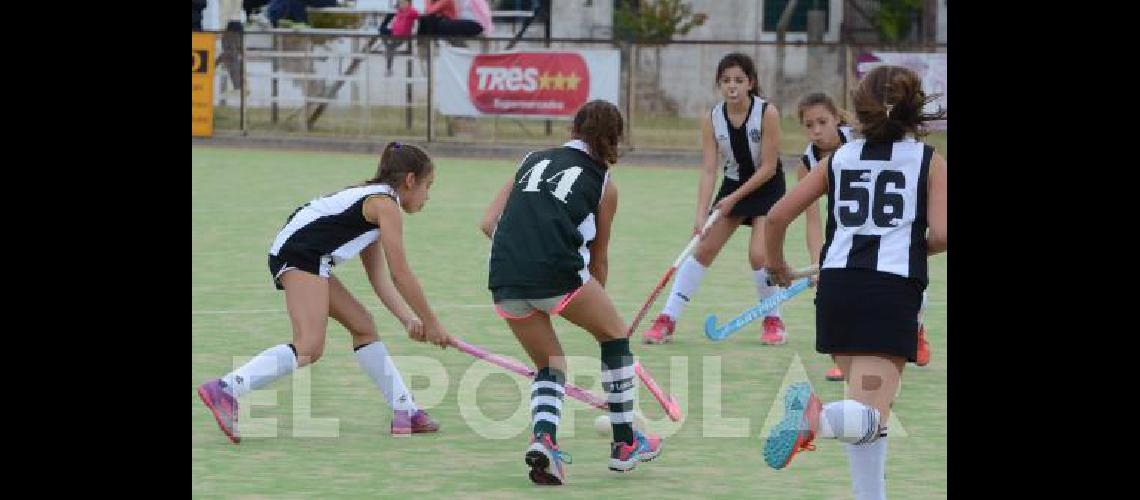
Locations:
column 661, row 331
column 405, row 423
column 223, row 406
column 624, row 457
column 774, row 333
column 923, row 347
column 834, row 374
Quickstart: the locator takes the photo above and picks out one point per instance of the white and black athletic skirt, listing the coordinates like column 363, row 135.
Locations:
column 859, row 311
column 289, row 258
column 758, row 202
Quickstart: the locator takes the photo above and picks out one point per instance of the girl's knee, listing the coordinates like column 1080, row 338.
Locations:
column 308, row 352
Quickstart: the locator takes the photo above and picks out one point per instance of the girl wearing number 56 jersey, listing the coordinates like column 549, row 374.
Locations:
column 886, row 212
column 550, row 228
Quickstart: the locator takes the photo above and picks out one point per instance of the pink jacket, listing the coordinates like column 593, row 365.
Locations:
column 482, row 15
column 404, row 20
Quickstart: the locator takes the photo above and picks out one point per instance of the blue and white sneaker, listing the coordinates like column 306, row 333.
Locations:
column 797, row 430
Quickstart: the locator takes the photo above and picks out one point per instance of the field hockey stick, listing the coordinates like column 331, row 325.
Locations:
column 765, row 306
column 518, row 367
column 669, row 274
column 668, row 402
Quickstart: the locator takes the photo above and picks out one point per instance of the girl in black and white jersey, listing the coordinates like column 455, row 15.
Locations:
column 886, row 214
column 741, row 137
column 828, row 128
column 366, row 219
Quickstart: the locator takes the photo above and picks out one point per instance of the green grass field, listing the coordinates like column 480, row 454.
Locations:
column 242, row 197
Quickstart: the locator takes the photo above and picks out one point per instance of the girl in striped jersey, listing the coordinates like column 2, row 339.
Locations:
column 550, row 230
column 886, row 198
column 366, row 220
column 827, row 128
column 742, row 135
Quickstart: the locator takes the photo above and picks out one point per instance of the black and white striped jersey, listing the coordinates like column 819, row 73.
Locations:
column 812, row 155
column 752, row 128
column 332, row 226
column 876, row 216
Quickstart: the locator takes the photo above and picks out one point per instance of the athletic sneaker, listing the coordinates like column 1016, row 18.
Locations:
column 661, row 331
column 223, row 406
column 774, row 333
column 797, row 430
column 406, row 423
column 923, row 357
column 834, row 374
column 545, row 461
column 624, row 457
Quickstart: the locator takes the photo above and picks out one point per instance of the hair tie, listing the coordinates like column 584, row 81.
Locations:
column 396, row 145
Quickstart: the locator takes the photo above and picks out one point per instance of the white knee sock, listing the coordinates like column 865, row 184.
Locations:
column 376, row 362
column 270, row 365
column 869, row 468
column 848, row 421
column 684, row 287
column 763, row 289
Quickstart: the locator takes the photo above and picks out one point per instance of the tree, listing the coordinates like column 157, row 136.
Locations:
column 894, row 18
column 654, row 21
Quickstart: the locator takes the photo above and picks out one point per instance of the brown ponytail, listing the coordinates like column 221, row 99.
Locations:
column 397, row 161
column 889, row 102
column 599, row 124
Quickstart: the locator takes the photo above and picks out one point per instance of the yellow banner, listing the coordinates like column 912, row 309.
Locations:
column 203, row 87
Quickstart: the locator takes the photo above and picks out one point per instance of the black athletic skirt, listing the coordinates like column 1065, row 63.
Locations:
column 287, row 258
column 760, row 201
column 861, row 311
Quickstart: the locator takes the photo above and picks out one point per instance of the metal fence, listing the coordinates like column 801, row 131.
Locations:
column 341, row 84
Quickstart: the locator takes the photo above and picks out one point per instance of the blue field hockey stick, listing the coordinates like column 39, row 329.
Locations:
column 765, row 306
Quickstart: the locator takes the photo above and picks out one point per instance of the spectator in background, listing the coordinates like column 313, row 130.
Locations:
column 480, row 12
column 402, row 23
column 456, row 17
column 293, row 11
column 251, row 5
column 196, row 17
column 230, row 56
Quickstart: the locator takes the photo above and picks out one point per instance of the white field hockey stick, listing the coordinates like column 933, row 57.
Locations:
column 765, row 306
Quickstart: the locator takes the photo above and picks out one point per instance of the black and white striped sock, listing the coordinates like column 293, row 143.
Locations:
column 617, row 381
column 546, row 395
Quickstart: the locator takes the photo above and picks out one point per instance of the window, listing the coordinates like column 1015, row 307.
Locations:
column 773, row 9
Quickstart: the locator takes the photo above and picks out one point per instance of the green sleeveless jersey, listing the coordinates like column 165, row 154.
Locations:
column 541, row 245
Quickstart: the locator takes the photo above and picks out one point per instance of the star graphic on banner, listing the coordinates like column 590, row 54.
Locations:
column 572, row 81
column 559, row 82
column 544, row 81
